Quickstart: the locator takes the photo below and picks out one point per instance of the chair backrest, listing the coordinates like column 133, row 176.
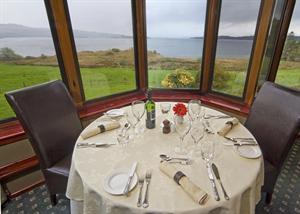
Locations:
column 49, row 118
column 274, row 120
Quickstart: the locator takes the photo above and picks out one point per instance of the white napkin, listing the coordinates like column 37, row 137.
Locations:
column 228, row 126
column 197, row 194
column 102, row 127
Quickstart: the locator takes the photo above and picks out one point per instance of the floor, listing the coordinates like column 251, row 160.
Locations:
column 286, row 198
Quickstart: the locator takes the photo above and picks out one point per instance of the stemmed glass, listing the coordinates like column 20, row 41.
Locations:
column 197, row 133
column 194, row 109
column 138, row 110
column 182, row 128
column 132, row 121
column 165, row 108
column 207, row 151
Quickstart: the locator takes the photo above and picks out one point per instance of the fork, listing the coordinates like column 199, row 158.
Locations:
column 148, row 179
column 141, row 184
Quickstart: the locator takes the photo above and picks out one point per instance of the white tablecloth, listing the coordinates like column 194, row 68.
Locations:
column 241, row 177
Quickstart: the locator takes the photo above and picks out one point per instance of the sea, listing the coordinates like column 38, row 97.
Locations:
column 168, row 47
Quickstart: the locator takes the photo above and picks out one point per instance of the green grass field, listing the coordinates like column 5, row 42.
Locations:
column 99, row 82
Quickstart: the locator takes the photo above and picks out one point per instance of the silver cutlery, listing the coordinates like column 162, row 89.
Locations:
column 208, row 116
column 236, row 139
column 168, row 158
column 131, row 173
column 148, row 179
column 216, row 172
column 245, row 144
column 182, row 162
column 213, row 183
column 141, row 184
column 93, row 145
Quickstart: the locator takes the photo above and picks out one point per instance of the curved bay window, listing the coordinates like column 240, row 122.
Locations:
column 175, row 31
column 27, row 54
column 103, row 34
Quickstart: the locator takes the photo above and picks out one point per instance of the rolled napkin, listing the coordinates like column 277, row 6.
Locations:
column 181, row 179
column 104, row 126
column 228, row 126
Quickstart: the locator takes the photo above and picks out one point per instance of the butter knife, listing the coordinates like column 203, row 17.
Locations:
column 216, row 172
column 213, row 183
column 131, row 174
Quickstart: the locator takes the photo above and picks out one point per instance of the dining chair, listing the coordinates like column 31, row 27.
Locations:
column 51, row 122
column 274, row 120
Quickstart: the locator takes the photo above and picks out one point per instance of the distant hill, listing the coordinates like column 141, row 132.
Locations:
column 231, row 37
column 239, row 37
column 15, row 30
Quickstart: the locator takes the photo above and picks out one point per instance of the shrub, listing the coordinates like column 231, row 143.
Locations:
column 7, row 54
column 178, row 79
column 115, row 50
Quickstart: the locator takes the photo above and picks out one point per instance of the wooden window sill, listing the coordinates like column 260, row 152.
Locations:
column 12, row 131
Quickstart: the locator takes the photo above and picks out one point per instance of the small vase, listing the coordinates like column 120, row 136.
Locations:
column 179, row 119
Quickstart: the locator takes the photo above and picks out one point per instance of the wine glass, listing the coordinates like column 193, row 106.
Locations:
column 207, row 150
column 182, row 128
column 132, row 121
column 138, row 110
column 165, row 108
column 194, row 109
column 197, row 133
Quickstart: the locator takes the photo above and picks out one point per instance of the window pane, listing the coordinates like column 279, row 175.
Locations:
column 104, row 44
column 175, row 32
column 235, row 39
column 27, row 54
column 270, row 47
column 289, row 69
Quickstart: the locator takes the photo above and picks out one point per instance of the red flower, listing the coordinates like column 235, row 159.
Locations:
column 180, row 109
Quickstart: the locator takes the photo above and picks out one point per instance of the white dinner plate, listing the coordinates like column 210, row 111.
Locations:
column 248, row 151
column 115, row 113
column 115, row 182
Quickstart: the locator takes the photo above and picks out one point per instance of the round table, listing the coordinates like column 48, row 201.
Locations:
column 241, row 177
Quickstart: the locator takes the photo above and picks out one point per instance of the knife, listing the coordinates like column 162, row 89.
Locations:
column 216, row 172
column 131, row 174
column 213, row 183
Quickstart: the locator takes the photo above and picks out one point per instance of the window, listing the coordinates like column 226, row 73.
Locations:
column 27, row 54
column 104, row 41
column 234, row 45
column 270, row 46
column 289, row 68
column 175, row 32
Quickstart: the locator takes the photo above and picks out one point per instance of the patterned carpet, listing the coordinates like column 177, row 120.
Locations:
column 286, row 198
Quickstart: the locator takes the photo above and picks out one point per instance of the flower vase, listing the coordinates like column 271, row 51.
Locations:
column 179, row 119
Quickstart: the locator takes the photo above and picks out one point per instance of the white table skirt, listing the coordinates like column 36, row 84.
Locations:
column 241, row 177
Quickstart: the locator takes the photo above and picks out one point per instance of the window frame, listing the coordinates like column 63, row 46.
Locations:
column 11, row 130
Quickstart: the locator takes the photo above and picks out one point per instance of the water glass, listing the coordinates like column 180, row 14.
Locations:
column 138, row 110
column 194, row 107
column 182, row 128
column 207, row 150
column 197, row 133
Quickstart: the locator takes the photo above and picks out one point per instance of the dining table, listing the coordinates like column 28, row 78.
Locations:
column 241, row 177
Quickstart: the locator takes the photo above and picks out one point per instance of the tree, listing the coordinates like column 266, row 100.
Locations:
column 7, row 54
column 291, row 49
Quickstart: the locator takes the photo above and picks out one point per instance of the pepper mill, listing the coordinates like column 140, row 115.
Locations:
column 167, row 127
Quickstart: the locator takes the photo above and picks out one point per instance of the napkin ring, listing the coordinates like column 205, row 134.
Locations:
column 178, row 175
column 230, row 123
column 102, row 128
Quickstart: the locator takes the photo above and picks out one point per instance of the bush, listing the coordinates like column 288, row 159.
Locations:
column 115, row 50
column 221, row 78
column 7, row 54
column 178, row 79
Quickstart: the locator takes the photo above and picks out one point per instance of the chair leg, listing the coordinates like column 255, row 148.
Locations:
column 53, row 199
column 268, row 198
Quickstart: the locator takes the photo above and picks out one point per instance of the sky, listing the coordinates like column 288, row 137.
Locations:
column 165, row 18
